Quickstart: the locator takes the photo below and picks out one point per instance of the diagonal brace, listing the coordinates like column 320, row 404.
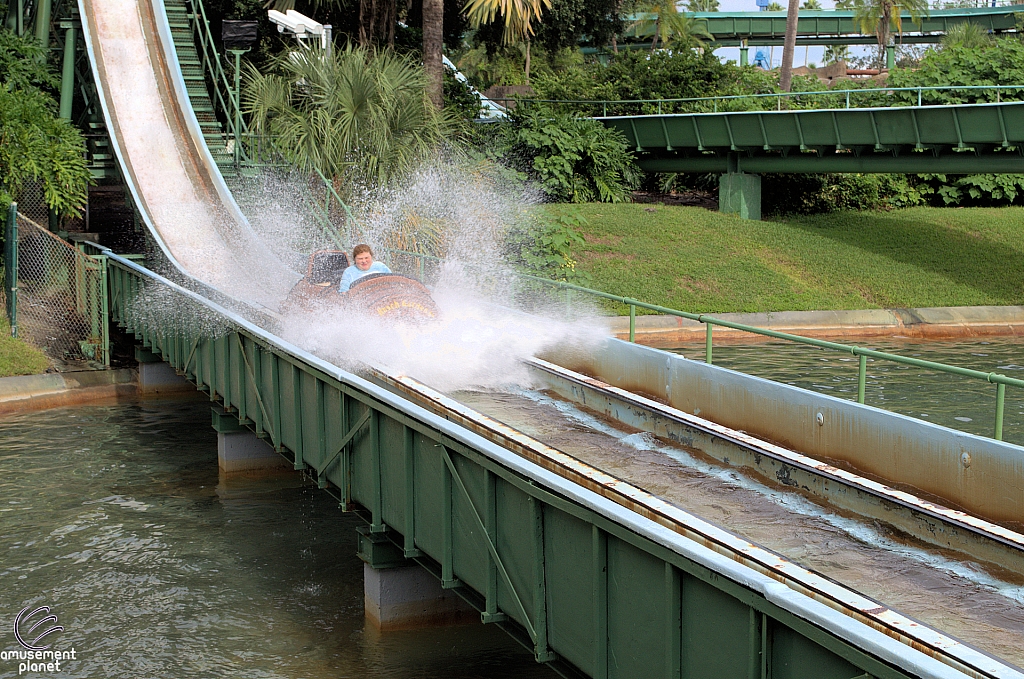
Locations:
column 348, row 437
column 255, row 384
column 490, row 545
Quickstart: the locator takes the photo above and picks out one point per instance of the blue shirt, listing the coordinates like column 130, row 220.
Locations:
column 354, row 273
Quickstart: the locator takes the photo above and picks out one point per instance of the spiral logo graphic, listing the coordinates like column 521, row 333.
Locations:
column 30, row 621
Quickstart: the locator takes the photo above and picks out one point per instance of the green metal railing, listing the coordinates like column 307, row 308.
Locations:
column 225, row 94
column 714, row 104
column 1001, row 381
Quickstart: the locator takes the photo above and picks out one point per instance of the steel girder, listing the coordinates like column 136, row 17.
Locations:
column 943, row 139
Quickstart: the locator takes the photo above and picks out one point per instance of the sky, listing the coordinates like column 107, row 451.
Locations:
column 803, row 55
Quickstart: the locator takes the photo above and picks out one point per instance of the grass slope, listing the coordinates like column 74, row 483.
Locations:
column 700, row 261
column 17, row 357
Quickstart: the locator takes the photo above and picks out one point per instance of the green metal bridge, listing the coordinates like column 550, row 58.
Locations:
column 799, row 137
column 827, row 27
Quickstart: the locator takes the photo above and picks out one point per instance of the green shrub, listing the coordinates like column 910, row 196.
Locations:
column 1000, row 62
column 574, row 160
column 983, row 190
column 545, row 247
column 821, row 193
column 36, row 145
column 459, row 98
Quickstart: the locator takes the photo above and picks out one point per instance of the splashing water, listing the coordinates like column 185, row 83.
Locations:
column 475, row 344
column 462, row 214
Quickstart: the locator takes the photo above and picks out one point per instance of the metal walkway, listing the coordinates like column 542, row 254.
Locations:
column 963, row 139
column 830, row 27
column 598, row 577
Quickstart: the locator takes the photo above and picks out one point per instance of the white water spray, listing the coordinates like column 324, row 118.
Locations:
column 463, row 214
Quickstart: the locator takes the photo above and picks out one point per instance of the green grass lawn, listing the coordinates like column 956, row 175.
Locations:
column 17, row 357
column 695, row 260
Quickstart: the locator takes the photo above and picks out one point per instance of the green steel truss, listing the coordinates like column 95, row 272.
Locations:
column 588, row 592
column 942, row 139
column 831, row 27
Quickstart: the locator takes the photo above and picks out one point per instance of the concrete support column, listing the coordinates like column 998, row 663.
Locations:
column 739, row 193
column 398, row 594
column 240, row 450
column 157, row 377
column 890, row 57
column 744, row 58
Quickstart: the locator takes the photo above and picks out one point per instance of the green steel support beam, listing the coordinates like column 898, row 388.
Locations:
column 965, row 139
column 67, row 80
column 911, row 163
column 42, row 23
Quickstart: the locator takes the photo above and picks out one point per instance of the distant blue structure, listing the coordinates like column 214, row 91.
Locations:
column 762, row 4
column 761, row 59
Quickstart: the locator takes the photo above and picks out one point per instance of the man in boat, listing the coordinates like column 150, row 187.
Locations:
column 364, row 265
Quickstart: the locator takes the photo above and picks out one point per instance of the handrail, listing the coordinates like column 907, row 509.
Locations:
column 1001, row 381
column 778, row 95
column 212, row 63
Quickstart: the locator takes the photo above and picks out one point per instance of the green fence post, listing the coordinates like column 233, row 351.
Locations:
column 632, row 322
column 1000, row 401
column 862, row 374
column 11, row 267
column 707, row 342
column 105, row 314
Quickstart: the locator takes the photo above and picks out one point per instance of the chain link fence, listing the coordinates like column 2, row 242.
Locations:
column 60, row 298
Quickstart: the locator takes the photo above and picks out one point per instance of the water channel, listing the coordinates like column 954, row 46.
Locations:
column 953, row 401
column 116, row 517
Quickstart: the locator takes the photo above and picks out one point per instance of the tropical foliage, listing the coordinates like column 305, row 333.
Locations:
column 36, row 145
column 356, row 114
column 674, row 29
column 574, row 160
column 882, row 16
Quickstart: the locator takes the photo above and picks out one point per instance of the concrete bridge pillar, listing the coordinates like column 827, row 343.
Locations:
column 739, row 193
column 157, row 377
column 399, row 594
column 240, row 450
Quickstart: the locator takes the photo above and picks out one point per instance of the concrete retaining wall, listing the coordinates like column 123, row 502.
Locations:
column 54, row 390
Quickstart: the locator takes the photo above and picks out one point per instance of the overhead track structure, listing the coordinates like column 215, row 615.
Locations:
column 825, row 27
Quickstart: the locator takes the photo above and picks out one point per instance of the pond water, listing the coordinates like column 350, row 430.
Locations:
column 115, row 516
column 953, row 401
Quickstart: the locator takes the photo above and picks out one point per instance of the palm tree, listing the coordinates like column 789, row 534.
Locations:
column 355, row 113
column 433, row 44
column 966, row 34
column 672, row 27
column 789, row 46
column 517, row 15
column 881, row 16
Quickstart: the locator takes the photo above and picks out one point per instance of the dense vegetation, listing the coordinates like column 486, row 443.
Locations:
column 36, row 145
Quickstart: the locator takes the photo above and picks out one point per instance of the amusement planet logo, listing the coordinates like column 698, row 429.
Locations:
column 31, row 630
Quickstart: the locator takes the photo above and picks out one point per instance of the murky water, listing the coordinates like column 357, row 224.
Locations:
column 953, row 401
column 116, row 518
column 984, row 608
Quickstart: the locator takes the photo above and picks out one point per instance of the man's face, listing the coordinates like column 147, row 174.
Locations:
column 363, row 261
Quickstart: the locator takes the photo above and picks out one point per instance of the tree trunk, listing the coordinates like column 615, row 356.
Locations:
column 527, row 61
column 789, row 46
column 433, row 38
column 657, row 27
